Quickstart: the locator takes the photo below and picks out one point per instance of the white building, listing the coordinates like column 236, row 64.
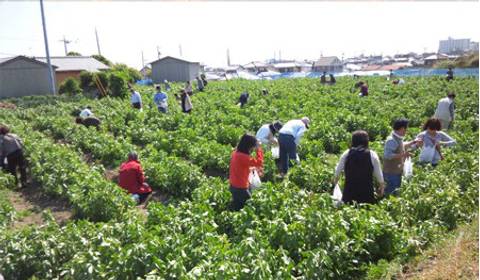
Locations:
column 454, row 45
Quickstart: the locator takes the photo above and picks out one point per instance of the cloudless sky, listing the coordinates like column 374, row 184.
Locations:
column 252, row 31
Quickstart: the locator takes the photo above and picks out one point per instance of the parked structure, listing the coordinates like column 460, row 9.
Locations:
column 286, row 67
column 455, row 46
column 329, row 64
column 431, row 60
column 256, row 67
column 23, row 76
column 174, row 69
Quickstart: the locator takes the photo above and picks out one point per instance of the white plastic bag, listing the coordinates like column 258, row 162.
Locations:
column 297, row 159
column 275, row 152
column 254, row 180
column 427, row 154
column 337, row 193
column 408, row 168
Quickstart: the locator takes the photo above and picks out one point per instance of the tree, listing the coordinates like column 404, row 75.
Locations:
column 102, row 59
column 74, row 54
column 70, row 86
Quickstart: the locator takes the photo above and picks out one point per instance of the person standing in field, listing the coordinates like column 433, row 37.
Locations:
column 445, row 111
column 188, row 88
column 11, row 148
column 332, row 81
column 394, row 156
column 204, row 79
column 266, row 133
column 185, row 101
column 360, row 165
column 243, row 99
column 132, row 179
column 200, row 85
column 160, row 99
column 241, row 164
column 289, row 138
column 450, row 74
column 363, row 89
column 433, row 138
column 135, row 99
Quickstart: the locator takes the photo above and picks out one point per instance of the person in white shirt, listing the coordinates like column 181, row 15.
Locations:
column 288, row 140
column 87, row 112
column 266, row 133
column 135, row 99
column 360, row 166
column 445, row 111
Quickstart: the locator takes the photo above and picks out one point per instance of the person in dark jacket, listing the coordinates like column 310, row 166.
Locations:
column 332, row 81
column 360, row 166
column 89, row 121
column 11, row 148
column 204, row 79
column 241, row 164
column 132, row 179
column 243, row 99
column 185, row 101
column 323, row 78
column 450, row 74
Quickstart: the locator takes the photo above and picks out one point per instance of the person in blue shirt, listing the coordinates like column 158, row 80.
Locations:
column 160, row 99
column 289, row 138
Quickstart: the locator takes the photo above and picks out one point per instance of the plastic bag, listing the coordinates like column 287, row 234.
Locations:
column 275, row 152
column 337, row 193
column 408, row 168
column 254, row 180
column 427, row 154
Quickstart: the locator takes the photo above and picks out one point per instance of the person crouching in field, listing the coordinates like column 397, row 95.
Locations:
column 360, row 166
column 132, row 179
column 11, row 148
column 241, row 164
column 89, row 121
column 266, row 134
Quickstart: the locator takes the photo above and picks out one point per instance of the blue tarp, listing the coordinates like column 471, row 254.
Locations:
column 146, row 82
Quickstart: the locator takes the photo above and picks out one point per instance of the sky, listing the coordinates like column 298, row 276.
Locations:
column 251, row 31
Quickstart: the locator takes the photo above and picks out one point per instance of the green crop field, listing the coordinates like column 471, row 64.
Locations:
column 290, row 228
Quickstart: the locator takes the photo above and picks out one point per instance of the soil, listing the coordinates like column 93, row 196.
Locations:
column 29, row 203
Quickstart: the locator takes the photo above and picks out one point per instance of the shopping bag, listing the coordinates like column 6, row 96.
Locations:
column 254, row 180
column 275, row 152
column 427, row 154
column 408, row 168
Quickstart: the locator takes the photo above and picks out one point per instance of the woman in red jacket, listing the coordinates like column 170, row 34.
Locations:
column 240, row 166
column 132, row 179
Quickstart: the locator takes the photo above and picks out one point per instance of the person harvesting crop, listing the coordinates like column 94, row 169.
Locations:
column 11, row 148
column 188, row 88
column 266, row 133
column 87, row 112
column 450, row 74
column 323, row 78
column 445, row 111
column 135, row 99
column 288, row 139
column 394, row 156
column 431, row 139
column 89, row 121
column 241, row 164
column 160, row 99
column 200, row 85
column 185, row 101
column 243, row 99
column 132, row 179
column 360, row 165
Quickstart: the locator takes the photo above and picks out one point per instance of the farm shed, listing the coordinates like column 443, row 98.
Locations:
column 328, row 64
column 174, row 69
column 22, row 76
column 72, row 66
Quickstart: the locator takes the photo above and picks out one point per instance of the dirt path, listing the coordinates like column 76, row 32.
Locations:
column 30, row 202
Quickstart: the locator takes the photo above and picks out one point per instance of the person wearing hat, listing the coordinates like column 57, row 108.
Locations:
column 289, row 138
column 266, row 133
column 445, row 111
column 132, row 179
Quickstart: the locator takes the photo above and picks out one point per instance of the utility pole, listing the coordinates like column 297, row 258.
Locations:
column 50, row 70
column 143, row 67
column 65, row 42
column 158, row 52
column 228, row 57
column 180, row 50
column 98, row 43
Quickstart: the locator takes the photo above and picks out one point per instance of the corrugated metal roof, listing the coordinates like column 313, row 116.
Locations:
column 75, row 63
column 176, row 58
column 327, row 61
column 287, row 65
column 255, row 65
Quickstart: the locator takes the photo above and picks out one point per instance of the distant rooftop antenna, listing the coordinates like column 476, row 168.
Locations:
column 158, row 52
column 98, row 42
column 65, row 42
column 228, row 57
